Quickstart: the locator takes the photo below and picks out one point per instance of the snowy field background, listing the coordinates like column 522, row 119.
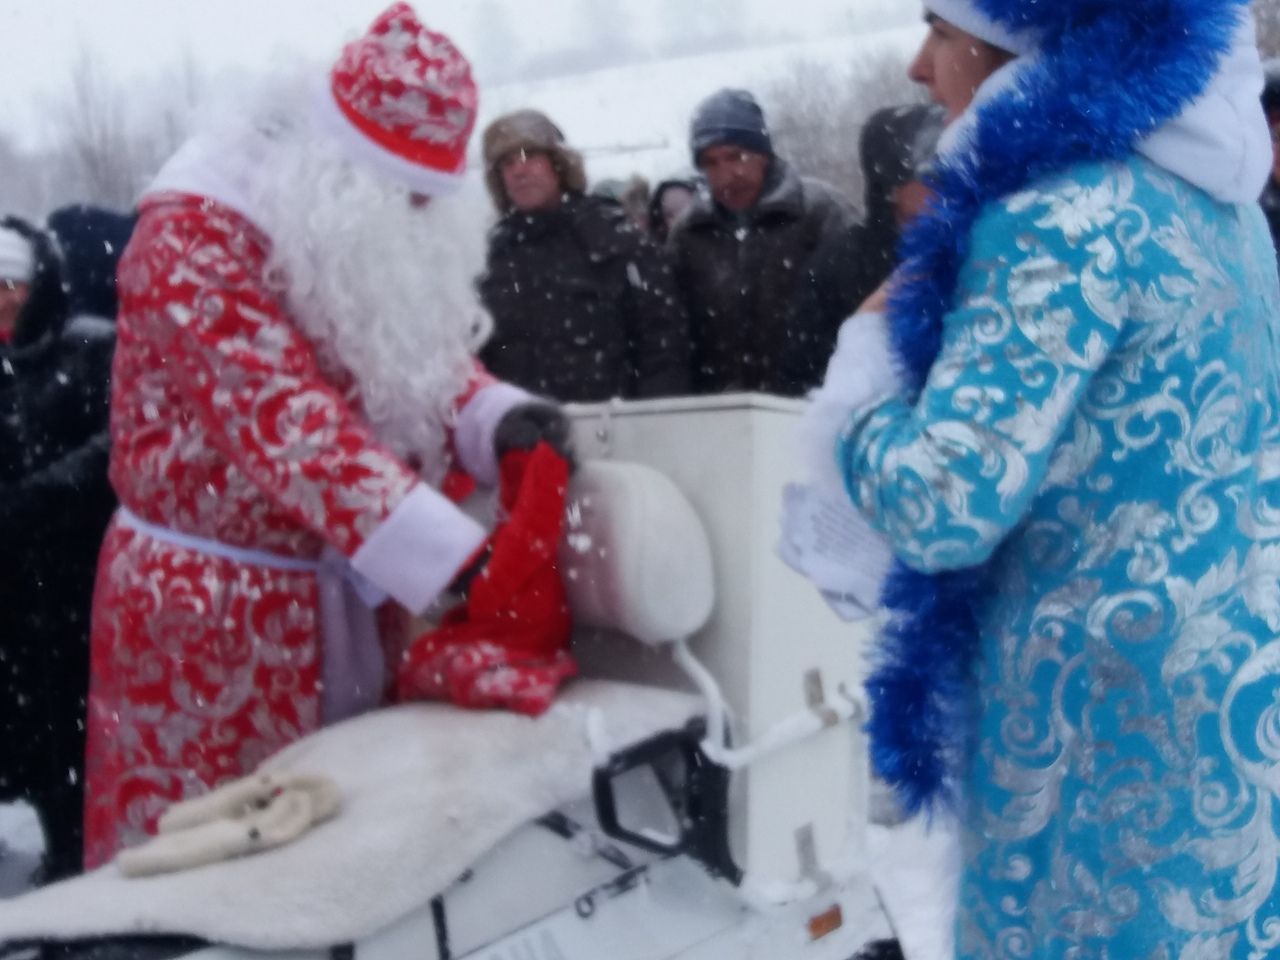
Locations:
column 635, row 119
column 91, row 121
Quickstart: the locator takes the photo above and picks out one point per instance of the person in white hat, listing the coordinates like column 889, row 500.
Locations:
column 17, row 267
column 55, row 503
column 1063, row 419
column 294, row 389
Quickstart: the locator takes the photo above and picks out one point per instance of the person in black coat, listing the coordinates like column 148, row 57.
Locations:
column 742, row 250
column 895, row 149
column 55, row 502
column 91, row 240
column 582, row 303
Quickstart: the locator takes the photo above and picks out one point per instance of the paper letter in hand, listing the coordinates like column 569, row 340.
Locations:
column 830, row 543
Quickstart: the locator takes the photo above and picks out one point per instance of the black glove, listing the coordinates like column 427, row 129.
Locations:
column 524, row 426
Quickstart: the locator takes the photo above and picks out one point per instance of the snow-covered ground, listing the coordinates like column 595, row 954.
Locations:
column 21, row 844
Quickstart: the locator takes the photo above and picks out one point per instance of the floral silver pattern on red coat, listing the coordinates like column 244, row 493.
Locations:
column 225, row 428
column 409, row 81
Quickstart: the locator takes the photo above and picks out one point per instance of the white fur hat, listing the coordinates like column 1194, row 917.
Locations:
column 966, row 15
column 17, row 259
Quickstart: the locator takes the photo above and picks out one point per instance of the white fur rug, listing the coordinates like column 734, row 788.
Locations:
column 426, row 790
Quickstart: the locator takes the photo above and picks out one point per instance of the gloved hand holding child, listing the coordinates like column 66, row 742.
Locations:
column 507, row 645
column 525, row 426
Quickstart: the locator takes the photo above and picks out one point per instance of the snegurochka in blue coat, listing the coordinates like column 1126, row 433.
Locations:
column 1065, row 422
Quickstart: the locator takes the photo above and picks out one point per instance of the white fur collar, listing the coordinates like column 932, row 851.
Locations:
column 217, row 170
column 1220, row 143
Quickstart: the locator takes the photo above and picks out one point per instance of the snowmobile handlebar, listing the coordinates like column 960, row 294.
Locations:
column 695, row 789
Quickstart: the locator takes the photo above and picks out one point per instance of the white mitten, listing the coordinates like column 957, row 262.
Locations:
column 237, row 799
column 824, row 537
column 266, row 819
column 863, row 371
column 325, row 799
column 229, row 801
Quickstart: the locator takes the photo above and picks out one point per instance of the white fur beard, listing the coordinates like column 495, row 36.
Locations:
column 383, row 290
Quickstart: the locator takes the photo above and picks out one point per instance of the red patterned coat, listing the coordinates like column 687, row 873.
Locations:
column 226, row 429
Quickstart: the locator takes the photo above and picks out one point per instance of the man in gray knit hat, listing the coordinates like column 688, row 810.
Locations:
column 742, row 251
column 583, row 304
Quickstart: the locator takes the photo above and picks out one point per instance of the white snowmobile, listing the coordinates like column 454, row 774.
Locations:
column 713, row 804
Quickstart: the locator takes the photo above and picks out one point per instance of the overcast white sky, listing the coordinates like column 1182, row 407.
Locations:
column 138, row 39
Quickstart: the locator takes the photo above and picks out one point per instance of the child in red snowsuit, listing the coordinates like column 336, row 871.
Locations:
column 507, row 646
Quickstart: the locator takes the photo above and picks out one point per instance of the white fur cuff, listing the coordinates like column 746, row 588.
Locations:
column 477, row 421
column 419, row 549
column 863, row 371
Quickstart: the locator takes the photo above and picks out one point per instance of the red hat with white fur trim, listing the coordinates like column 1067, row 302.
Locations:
column 401, row 100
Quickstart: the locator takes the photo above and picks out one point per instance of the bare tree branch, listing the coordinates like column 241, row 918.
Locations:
column 113, row 139
column 817, row 112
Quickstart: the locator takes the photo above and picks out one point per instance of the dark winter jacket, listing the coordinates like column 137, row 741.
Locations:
column 55, row 502
column 850, row 266
column 845, row 271
column 739, row 275
column 91, row 240
column 583, row 306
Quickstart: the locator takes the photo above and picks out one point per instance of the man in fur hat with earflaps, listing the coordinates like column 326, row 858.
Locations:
column 294, row 383
column 1062, row 418
column 583, row 304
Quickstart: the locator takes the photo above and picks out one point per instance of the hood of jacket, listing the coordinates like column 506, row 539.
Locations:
column 45, row 312
column 783, row 197
column 92, row 240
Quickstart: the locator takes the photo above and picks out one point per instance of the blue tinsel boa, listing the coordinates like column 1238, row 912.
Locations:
column 1109, row 73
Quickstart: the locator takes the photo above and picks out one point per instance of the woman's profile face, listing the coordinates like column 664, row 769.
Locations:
column 953, row 64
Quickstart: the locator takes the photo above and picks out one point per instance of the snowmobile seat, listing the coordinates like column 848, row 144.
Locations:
column 635, row 557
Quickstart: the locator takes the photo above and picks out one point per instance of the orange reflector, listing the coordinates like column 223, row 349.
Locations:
column 826, row 922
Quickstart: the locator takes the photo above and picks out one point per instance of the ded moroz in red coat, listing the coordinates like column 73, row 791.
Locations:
column 238, row 461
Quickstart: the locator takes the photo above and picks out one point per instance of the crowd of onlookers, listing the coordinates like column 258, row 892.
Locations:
column 57, row 301
column 733, row 277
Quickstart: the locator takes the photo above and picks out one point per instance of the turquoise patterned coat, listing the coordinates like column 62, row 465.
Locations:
column 1103, row 424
